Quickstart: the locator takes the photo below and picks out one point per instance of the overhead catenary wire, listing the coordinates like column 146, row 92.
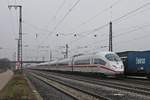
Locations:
column 123, row 16
column 136, row 29
column 98, row 14
column 63, row 18
column 90, row 31
column 124, row 33
column 36, row 27
column 130, row 29
column 69, row 11
column 12, row 21
column 119, row 18
column 134, row 39
column 116, row 20
column 59, row 8
column 56, row 13
column 131, row 12
column 127, row 41
column 90, row 19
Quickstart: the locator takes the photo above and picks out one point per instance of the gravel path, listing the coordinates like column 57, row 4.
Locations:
column 5, row 77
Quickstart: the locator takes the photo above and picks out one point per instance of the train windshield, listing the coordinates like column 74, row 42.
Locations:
column 112, row 57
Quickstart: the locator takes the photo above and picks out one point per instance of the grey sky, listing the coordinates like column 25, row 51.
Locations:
column 42, row 16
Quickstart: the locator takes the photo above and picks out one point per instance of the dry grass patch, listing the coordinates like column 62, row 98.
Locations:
column 17, row 89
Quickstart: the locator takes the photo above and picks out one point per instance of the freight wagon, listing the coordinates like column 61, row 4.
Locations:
column 136, row 63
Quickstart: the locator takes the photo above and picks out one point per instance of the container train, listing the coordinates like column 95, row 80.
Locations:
column 137, row 63
column 106, row 63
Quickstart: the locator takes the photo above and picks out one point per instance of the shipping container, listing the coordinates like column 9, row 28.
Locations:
column 138, row 63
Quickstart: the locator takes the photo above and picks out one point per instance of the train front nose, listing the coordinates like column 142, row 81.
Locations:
column 118, row 67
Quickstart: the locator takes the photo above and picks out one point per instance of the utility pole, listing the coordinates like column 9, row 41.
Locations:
column 43, row 58
column 18, row 50
column 19, row 57
column 50, row 56
column 66, row 51
column 110, row 37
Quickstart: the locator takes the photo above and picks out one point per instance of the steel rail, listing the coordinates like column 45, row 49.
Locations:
column 126, row 87
column 81, row 92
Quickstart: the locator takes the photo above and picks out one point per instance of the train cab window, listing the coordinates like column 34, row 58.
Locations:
column 99, row 61
column 112, row 57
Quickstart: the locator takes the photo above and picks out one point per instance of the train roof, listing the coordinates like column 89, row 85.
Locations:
column 85, row 56
column 54, row 61
column 95, row 55
column 66, row 60
column 45, row 63
column 105, row 52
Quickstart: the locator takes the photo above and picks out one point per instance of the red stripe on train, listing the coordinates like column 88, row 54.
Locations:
column 84, row 66
column 104, row 67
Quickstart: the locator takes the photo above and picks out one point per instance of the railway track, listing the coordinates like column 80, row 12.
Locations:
column 46, row 91
column 131, row 83
column 112, row 90
column 137, row 83
column 122, row 85
column 75, row 93
column 138, row 80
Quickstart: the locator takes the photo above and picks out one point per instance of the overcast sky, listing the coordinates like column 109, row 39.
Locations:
column 43, row 19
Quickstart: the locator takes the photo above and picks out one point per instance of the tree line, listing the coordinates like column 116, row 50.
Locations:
column 5, row 64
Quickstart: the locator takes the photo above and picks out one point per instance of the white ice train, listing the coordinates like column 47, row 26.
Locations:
column 107, row 63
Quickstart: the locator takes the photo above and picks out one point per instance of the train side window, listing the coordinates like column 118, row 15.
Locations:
column 53, row 65
column 76, row 62
column 86, row 61
column 63, row 64
column 82, row 62
column 99, row 61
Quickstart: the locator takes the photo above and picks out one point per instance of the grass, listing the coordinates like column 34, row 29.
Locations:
column 17, row 89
